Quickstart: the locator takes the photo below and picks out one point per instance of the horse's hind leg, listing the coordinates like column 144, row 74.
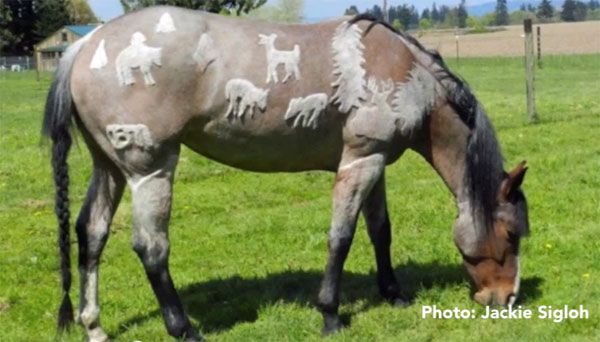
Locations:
column 104, row 194
column 378, row 225
column 353, row 183
column 151, row 197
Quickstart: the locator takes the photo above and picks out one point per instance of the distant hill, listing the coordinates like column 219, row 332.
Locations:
column 489, row 7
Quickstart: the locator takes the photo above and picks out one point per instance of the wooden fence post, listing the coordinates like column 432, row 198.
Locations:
column 539, row 46
column 530, row 70
column 457, row 50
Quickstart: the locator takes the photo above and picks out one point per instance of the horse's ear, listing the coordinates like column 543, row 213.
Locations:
column 513, row 180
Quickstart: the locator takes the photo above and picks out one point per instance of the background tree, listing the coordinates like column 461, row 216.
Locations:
column 568, row 10
column 392, row 13
column 408, row 16
column 581, row 10
column 517, row 17
column 593, row 10
column 215, row 6
column 461, row 15
column 284, row 11
column 352, row 11
column 450, row 18
column 291, row 11
column 426, row 14
column 425, row 24
column 545, row 10
column 53, row 14
column 475, row 24
column 377, row 12
column 444, row 10
column 414, row 18
column 488, row 19
column 7, row 38
column 23, row 15
column 435, row 14
column 501, row 13
column 81, row 13
column 24, row 23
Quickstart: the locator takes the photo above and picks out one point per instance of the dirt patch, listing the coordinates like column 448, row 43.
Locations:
column 4, row 305
column 557, row 39
column 36, row 204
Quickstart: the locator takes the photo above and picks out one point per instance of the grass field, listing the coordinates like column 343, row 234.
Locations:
column 248, row 249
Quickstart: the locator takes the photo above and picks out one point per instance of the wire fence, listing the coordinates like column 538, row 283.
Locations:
column 17, row 63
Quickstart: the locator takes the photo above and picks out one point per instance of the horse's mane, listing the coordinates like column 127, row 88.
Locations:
column 484, row 163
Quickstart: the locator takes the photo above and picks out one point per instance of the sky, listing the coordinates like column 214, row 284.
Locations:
column 314, row 9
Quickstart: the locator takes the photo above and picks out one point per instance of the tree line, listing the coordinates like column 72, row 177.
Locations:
column 237, row 7
column 408, row 17
column 24, row 23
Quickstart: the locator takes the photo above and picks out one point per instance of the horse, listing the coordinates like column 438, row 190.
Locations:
column 366, row 94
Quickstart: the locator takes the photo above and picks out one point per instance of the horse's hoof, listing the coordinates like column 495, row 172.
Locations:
column 193, row 336
column 332, row 324
column 327, row 331
column 399, row 302
column 195, row 339
column 97, row 335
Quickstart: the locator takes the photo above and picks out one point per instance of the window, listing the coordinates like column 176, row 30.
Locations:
column 64, row 37
column 47, row 55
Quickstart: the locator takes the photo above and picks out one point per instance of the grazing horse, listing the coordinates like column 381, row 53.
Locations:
column 379, row 93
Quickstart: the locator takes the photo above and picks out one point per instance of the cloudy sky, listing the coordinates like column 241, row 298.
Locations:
column 108, row 9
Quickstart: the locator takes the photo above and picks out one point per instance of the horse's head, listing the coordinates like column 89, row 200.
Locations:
column 493, row 263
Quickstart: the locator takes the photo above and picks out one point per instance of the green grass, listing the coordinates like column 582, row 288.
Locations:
column 248, row 249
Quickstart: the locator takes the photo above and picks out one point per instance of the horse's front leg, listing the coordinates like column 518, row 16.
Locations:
column 151, row 198
column 104, row 194
column 354, row 181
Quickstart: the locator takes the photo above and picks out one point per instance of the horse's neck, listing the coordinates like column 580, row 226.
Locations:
column 444, row 146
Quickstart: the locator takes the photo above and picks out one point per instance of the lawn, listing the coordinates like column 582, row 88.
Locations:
column 248, row 249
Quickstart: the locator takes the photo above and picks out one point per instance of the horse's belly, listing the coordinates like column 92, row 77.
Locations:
column 274, row 150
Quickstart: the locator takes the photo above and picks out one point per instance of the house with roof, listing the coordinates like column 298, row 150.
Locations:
column 49, row 50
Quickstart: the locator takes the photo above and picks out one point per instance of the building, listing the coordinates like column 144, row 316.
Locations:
column 49, row 50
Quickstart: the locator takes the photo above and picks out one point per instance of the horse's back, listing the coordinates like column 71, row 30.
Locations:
column 168, row 68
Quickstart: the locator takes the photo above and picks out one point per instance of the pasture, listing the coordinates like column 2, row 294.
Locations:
column 248, row 250
column 557, row 39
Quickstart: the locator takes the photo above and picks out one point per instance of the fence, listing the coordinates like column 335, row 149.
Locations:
column 17, row 63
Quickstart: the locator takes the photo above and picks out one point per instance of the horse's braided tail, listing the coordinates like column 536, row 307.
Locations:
column 58, row 117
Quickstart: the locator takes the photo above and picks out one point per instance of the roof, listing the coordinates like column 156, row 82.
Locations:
column 55, row 48
column 81, row 30
column 78, row 30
